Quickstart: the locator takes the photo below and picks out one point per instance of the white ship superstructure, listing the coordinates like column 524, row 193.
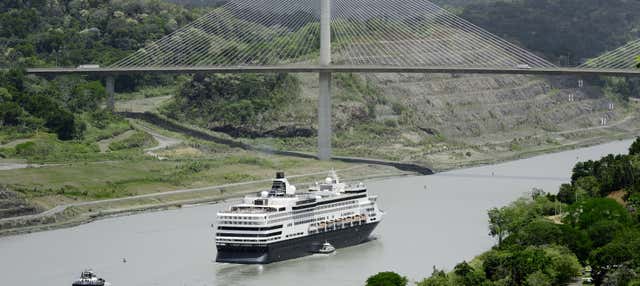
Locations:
column 282, row 223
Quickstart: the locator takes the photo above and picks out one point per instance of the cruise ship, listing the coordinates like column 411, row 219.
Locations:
column 281, row 223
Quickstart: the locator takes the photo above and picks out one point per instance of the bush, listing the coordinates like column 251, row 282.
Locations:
column 387, row 279
column 33, row 149
column 587, row 213
column 10, row 113
column 567, row 194
column 635, row 147
column 137, row 140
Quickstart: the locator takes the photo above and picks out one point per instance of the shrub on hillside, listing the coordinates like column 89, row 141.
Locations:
column 137, row 140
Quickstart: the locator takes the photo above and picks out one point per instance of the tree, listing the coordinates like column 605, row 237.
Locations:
column 465, row 275
column 10, row 113
column 538, row 278
column 635, row 147
column 576, row 240
column 622, row 275
column 567, row 194
column 87, row 96
column 495, row 265
column 525, row 262
column 497, row 224
column 586, row 213
column 603, row 232
column 387, row 279
column 588, row 185
column 538, row 232
column 582, row 169
column 437, row 278
column 563, row 266
column 5, row 95
column 608, row 257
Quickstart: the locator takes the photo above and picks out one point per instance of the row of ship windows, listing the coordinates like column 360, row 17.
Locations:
column 248, row 234
column 240, row 222
column 246, row 240
column 336, row 204
column 336, row 226
column 294, row 234
column 242, row 217
column 277, row 215
column 323, row 212
column 345, row 214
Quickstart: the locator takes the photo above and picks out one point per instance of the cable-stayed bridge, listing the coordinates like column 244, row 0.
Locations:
column 327, row 36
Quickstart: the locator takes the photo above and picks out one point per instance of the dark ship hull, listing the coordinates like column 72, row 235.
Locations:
column 92, row 283
column 293, row 248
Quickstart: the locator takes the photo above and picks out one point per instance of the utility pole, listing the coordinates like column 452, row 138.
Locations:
column 324, row 98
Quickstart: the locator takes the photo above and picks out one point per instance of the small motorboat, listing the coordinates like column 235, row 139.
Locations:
column 89, row 278
column 326, row 248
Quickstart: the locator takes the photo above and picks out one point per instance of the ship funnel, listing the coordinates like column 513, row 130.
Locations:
column 291, row 190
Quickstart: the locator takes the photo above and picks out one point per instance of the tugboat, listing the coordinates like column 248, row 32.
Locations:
column 88, row 278
column 326, row 248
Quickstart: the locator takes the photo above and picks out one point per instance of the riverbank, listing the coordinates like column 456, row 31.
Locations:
column 63, row 212
column 84, row 212
column 175, row 247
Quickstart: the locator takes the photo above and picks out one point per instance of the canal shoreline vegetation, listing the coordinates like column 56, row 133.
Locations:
column 589, row 232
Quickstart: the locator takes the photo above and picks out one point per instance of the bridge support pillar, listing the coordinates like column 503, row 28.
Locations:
column 324, row 117
column 110, row 86
column 324, row 98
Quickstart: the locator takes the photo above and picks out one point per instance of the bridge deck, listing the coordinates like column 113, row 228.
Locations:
column 338, row 69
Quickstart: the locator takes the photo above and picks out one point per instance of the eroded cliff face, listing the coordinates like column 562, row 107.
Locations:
column 13, row 204
column 479, row 109
column 453, row 120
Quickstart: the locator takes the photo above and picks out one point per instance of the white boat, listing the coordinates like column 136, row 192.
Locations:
column 326, row 248
column 89, row 278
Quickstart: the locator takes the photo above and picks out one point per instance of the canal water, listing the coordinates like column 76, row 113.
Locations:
column 430, row 220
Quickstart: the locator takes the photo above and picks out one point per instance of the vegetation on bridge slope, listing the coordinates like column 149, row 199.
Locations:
column 238, row 100
column 68, row 107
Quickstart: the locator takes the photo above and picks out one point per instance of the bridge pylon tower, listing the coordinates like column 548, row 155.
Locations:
column 324, row 98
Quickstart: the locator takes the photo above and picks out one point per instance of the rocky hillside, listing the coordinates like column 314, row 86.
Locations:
column 451, row 120
column 13, row 204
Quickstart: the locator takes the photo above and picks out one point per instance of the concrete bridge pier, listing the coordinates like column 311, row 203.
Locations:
column 110, row 86
column 324, row 98
column 324, row 117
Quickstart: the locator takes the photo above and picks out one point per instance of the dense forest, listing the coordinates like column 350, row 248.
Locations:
column 564, row 31
column 546, row 239
column 69, row 33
